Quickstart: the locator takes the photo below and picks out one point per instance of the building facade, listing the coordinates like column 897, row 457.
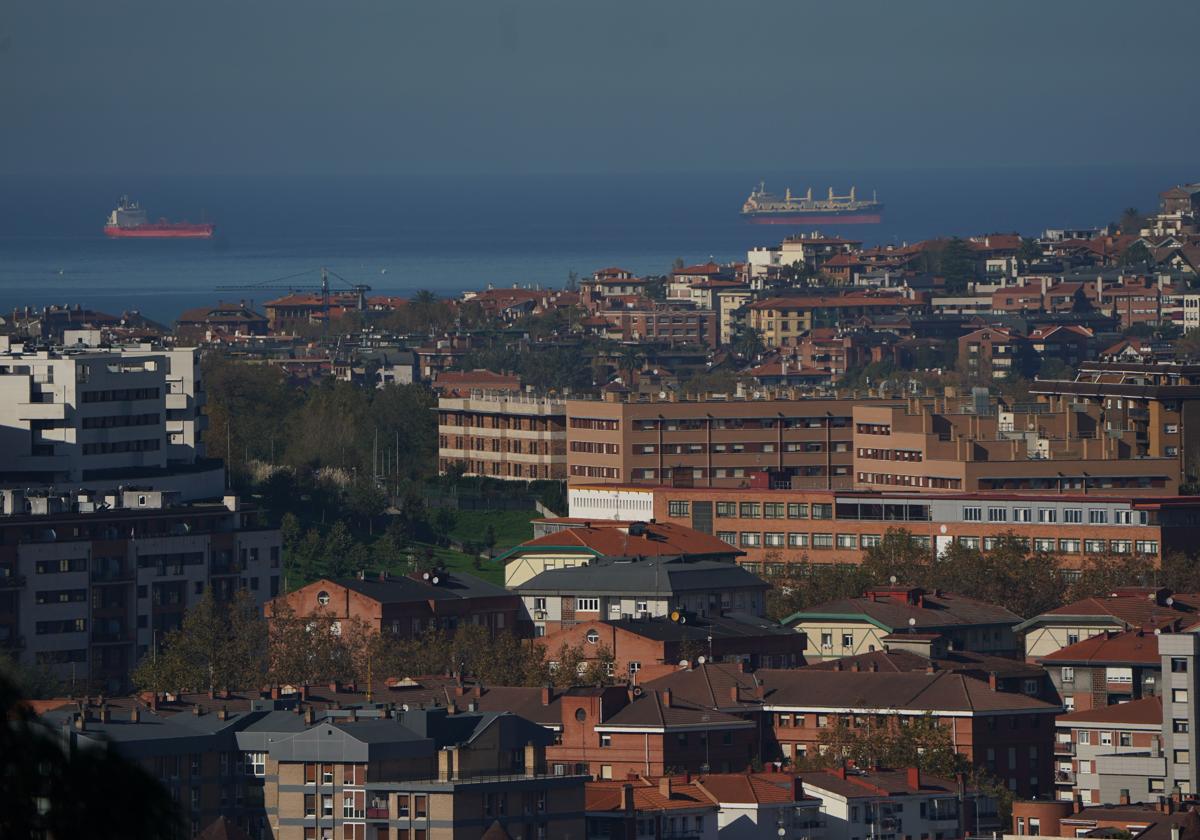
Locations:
column 503, row 435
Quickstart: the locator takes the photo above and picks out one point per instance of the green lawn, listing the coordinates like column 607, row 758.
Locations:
column 512, row 526
column 456, row 561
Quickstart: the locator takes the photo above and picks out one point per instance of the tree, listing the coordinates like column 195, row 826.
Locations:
column 1137, row 255
column 219, row 645
column 956, row 265
column 1131, row 220
column 1030, row 251
column 748, row 342
column 52, row 788
column 489, row 539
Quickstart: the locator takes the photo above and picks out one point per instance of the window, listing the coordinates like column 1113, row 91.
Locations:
column 1147, row 546
column 797, row 511
column 256, row 764
column 1068, row 546
column 726, row 509
column 1179, row 725
column 972, row 514
column 1121, row 546
column 1068, row 674
column 592, row 637
column 678, row 508
column 1179, row 695
column 1156, row 785
column 1022, row 514
column 797, row 540
column 773, row 510
column 822, row 540
column 1095, row 546
column 1106, row 739
column 847, row 640
column 1084, row 737
column 968, row 542
column 605, row 740
column 1181, row 756
column 847, row 541
column 773, row 539
column 322, row 598
column 1097, row 516
column 587, row 604
column 1073, row 516
column 727, row 536
column 634, row 667
column 750, row 539
column 826, row 638
column 822, row 511
column 1047, row 515
column 1179, row 665
column 1044, row 545
column 1125, row 739
column 750, row 510
column 997, row 514
column 870, row 540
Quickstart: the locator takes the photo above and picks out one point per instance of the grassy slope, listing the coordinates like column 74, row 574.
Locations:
column 511, row 526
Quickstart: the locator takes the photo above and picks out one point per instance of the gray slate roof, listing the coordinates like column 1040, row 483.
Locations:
column 650, row 576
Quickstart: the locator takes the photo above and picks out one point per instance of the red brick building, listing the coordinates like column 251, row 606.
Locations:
column 406, row 606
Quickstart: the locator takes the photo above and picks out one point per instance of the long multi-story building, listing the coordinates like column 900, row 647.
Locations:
column 1052, row 447
column 776, row 527
column 284, row 770
column 89, row 583
column 503, row 435
column 799, row 441
column 94, row 417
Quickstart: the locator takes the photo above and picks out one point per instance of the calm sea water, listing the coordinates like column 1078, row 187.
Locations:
column 400, row 234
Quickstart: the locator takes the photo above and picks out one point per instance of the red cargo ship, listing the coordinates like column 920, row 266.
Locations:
column 129, row 220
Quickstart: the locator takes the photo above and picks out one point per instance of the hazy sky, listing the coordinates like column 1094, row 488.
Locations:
column 235, row 86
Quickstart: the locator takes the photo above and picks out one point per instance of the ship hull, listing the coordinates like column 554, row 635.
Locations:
column 160, row 232
column 806, row 217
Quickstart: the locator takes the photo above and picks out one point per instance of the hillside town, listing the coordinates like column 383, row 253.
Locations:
column 835, row 542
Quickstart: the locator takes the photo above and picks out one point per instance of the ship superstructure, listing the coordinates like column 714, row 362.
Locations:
column 766, row 208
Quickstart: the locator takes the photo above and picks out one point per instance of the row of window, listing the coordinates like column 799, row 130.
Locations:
column 118, row 446
column 115, row 421
column 794, row 539
column 120, row 394
column 1070, row 516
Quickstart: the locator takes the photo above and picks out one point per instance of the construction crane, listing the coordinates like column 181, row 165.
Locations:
column 279, row 284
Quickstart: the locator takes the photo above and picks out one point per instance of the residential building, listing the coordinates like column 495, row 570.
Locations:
column 633, row 586
column 1164, row 819
column 90, row 582
column 1101, row 753
column 801, row 442
column 567, row 543
column 367, row 772
column 782, row 320
column 406, row 606
column 647, row 322
column 899, row 803
column 1125, row 608
column 298, row 310
column 668, row 807
column 463, row 383
column 206, row 323
column 729, row 305
column 996, row 353
column 502, row 434
column 757, row 642
column 928, row 652
column 860, row 625
column 1106, row 669
column 94, row 416
column 776, row 527
column 1056, row 447
column 764, row 806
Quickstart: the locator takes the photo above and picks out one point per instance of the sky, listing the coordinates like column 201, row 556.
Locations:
column 564, row 86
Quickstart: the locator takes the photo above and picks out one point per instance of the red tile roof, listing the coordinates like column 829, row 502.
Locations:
column 1147, row 710
column 1135, row 647
column 667, row 794
column 611, row 539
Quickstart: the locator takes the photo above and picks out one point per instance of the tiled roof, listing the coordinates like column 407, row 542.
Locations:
column 939, row 692
column 648, row 576
column 647, row 795
column 876, row 783
column 710, row 685
column 402, row 589
column 977, row 665
column 1133, row 647
column 1147, row 710
column 659, row 539
column 650, row 709
column 1129, row 606
column 742, row 788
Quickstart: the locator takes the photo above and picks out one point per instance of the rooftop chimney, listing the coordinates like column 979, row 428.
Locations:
column 627, row 798
column 664, row 786
column 135, row 714
column 914, row 778
column 666, row 697
column 310, row 716
column 223, row 713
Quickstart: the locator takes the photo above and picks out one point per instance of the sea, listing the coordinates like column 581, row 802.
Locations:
column 400, row 234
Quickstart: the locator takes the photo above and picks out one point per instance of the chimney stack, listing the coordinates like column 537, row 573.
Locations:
column 310, row 716
column 914, row 778
column 223, row 713
column 135, row 715
column 105, row 714
column 666, row 698
column 627, row 798
column 664, row 786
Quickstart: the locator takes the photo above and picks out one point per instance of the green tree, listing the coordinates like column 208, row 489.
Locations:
column 956, row 264
column 1131, row 220
column 1137, row 255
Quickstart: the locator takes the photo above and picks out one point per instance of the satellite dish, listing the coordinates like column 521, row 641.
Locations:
column 1170, row 601
column 434, row 580
column 637, row 691
column 682, row 618
column 425, row 575
column 683, row 663
column 912, row 622
column 1157, row 631
column 700, row 660
column 893, row 580
column 404, row 707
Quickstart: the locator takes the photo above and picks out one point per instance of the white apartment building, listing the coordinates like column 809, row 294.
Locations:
column 89, row 582
column 87, row 417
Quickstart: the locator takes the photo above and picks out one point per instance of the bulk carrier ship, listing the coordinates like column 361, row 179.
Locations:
column 764, row 208
column 129, row 221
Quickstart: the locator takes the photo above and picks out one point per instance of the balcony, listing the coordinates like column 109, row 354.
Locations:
column 377, row 813
column 1064, row 777
column 1064, row 748
column 13, row 643
column 11, row 581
